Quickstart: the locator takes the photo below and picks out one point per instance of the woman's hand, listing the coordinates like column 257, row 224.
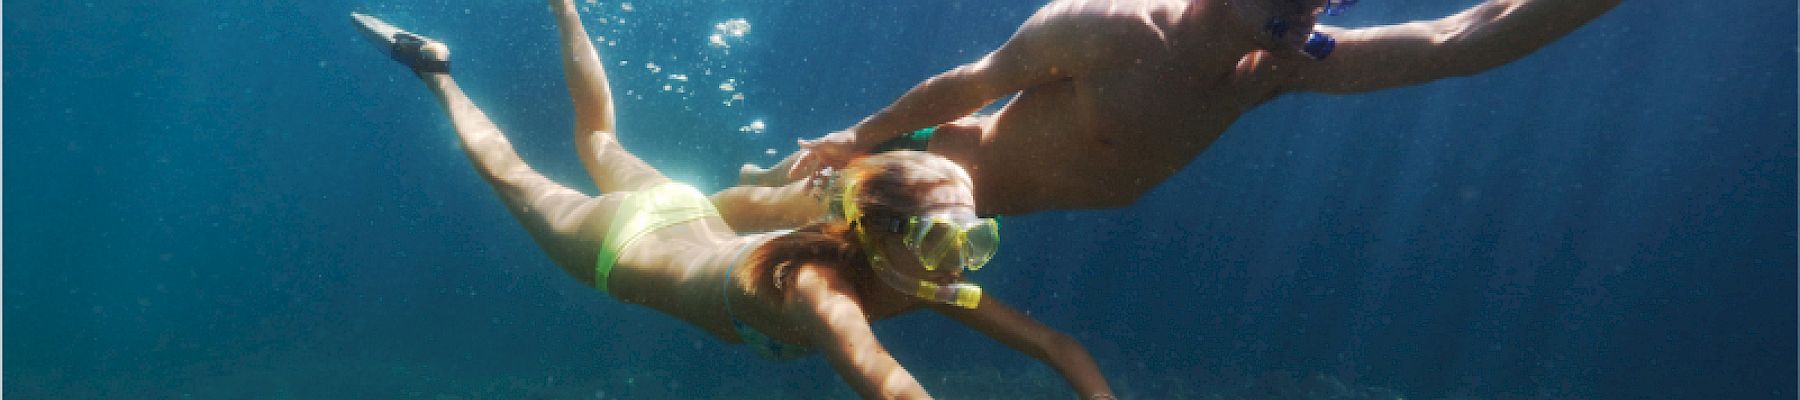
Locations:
column 1025, row 334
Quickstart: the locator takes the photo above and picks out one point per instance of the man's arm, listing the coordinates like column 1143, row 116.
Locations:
column 1042, row 50
column 1027, row 335
column 1483, row 37
column 950, row 95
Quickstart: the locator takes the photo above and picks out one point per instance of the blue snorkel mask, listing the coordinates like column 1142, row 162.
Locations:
column 1318, row 44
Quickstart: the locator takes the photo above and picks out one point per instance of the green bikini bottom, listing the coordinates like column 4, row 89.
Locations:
column 644, row 212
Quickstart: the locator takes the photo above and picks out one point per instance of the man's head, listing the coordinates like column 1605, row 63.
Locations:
column 1286, row 26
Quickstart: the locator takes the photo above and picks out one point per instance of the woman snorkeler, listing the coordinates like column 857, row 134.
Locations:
column 904, row 231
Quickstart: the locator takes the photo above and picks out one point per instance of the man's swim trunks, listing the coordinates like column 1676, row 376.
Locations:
column 916, row 141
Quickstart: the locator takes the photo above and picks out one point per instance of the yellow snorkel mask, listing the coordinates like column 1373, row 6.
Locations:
column 943, row 241
column 937, row 241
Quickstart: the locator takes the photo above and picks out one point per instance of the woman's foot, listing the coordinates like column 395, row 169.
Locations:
column 420, row 53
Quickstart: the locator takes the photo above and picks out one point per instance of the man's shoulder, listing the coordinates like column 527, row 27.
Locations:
column 1110, row 13
column 1099, row 28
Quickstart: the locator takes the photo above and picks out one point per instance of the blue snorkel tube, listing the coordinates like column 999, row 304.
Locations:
column 1318, row 45
column 1337, row 7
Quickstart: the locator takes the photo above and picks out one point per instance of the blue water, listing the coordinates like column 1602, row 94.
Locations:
column 248, row 201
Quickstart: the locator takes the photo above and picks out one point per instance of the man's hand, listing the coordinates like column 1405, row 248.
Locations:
column 833, row 150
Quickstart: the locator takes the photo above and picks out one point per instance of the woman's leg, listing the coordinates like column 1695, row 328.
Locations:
column 565, row 223
column 611, row 167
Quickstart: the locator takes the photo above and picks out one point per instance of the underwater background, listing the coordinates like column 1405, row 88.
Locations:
column 248, row 201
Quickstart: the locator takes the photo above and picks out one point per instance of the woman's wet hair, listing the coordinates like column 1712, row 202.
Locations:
column 895, row 183
column 887, row 184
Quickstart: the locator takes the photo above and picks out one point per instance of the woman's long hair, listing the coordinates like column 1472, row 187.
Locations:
column 886, row 184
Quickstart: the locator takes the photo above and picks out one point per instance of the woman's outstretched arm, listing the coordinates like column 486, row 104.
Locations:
column 839, row 327
column 1027, row 335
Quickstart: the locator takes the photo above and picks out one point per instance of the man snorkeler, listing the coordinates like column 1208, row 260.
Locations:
column 1115, row 96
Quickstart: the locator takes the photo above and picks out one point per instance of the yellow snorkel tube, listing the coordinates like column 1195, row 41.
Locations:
column 961, row 294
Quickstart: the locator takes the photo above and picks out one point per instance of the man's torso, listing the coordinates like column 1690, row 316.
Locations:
column 1116, row 129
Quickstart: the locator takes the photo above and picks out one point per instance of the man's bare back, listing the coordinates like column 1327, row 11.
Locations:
column 1113, row 97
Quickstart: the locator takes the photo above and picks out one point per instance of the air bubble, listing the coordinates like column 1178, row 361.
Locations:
column 755, row 127
column 735, row 28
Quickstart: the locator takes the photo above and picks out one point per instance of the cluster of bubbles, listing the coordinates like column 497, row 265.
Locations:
column 726, row 32
column 694, row 77
column 723, row 36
